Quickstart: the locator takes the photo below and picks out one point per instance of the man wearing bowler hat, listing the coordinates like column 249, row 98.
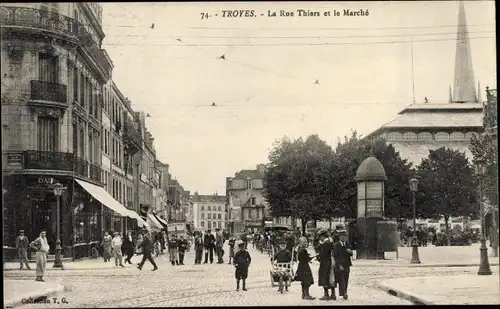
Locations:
column 342, row 254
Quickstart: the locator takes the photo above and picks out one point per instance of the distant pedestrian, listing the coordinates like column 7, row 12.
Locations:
column 22, row 246
column 42, row 248
column 128, row 247
column 116, row 244
column 198, row 247
column 304, row 273
column 138, row 247
column 219, row 243
column 147, row 249
column 173, row 250
column 183, row 245
column 241, row 262
column 209, row 243
column 106, row 247
column 231, row 244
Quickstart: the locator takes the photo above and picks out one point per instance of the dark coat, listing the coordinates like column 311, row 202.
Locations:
column 173, row 243
column 283, row 256
column 304, row 273
column 127, row 244
column 342, row 257
column 242, row 261
column 182, row 245
column 209, row 241
column 147, row 246
column 325, row 263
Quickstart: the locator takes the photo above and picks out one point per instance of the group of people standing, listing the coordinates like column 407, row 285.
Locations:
column 209, row 244
column 40, row 245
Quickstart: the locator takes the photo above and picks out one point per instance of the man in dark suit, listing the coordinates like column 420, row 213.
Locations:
column 342, row 255
column 128, row 247
column 147, row 250
column 209, row 244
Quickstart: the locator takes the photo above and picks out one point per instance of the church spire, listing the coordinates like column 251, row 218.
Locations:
column 464, row 88
column 479, row 99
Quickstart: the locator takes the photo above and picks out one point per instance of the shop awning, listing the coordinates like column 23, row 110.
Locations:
column 140, row 221
column 154, row 223
column 104, row 197
column 163, row 222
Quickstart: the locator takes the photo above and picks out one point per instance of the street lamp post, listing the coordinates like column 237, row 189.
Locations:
column 484, row 265
column 58, row 189
column 415, row 259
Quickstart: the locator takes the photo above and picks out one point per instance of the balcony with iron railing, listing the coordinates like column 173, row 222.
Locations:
column 47, row 93
column 61, row 162
column 30, row 18
column 132, row 138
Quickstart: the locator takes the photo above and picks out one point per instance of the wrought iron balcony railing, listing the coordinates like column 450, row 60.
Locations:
column 60, row 24
column 47, row 91
column 61, row 161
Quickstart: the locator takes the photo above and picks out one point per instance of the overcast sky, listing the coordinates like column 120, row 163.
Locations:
column 266, row 89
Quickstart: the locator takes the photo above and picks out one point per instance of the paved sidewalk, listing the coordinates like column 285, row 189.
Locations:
column 83, row 264
column 447, row 290
column 17, row 292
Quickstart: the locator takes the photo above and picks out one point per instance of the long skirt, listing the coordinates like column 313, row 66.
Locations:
column 241, row 272
column 107, row 252
column 173, row 254
column 41, row 263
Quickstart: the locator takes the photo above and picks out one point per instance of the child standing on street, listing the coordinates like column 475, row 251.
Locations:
column 241, row 261
column 231, row 243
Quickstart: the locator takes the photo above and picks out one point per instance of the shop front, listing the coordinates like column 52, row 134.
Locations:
column 254, row 225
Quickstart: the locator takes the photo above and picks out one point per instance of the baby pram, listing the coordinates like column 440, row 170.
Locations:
column 281, row 273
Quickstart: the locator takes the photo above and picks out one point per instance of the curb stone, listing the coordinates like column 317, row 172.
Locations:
column 400, row 293
column 18, row 300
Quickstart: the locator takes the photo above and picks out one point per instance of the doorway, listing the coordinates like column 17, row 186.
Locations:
column 43, row 216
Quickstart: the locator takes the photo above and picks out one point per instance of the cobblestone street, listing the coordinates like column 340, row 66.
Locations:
column 211, row 285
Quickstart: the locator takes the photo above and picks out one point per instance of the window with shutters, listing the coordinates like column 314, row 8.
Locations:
column 47, row 65
column 81, row 140
column 82, row 90
column 75, row 139
column 75, row 84
column 48, row 134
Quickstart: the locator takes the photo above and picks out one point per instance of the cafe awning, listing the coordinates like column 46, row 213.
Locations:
column 163, row 222
column 105, row 198
column 155, row 225
column 140, row 221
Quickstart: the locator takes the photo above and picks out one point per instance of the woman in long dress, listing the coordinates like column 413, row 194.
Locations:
column 304, row 273
column 325, row 257
column 42, row 248
column 106, row 247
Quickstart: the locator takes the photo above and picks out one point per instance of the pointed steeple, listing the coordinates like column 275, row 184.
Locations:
column 479, row 99
column 450, row 100
column 464, row 88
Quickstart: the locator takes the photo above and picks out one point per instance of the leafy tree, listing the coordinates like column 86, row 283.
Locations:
column 297, row 180
column 446, row 186
column 482, row 147
column 348, row 157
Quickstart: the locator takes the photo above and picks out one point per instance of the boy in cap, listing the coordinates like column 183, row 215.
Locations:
column 241, row 262
column 342, row 255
